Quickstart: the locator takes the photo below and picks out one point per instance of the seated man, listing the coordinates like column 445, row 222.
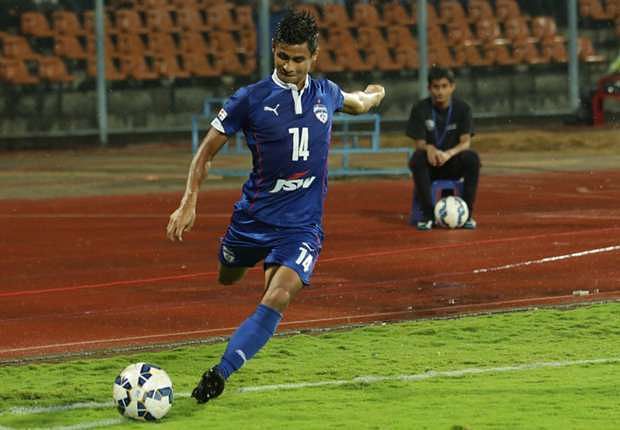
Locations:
column 441, row 126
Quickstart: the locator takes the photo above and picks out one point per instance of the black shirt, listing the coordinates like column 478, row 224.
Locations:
column 424, row 125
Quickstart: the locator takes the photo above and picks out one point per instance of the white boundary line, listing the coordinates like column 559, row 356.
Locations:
column 369, row 379
column 549, row 259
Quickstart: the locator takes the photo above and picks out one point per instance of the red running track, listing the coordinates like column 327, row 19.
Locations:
column 97, row 273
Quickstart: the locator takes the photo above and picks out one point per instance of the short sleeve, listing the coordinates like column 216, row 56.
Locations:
column 336, row 95
column 415, row 125
column 231, row 118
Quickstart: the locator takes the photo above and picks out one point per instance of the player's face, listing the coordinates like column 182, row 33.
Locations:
column 441, row 91
column 293, row 62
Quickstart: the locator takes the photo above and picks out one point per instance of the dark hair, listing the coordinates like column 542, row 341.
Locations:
column 436, row 73
column 297, row 28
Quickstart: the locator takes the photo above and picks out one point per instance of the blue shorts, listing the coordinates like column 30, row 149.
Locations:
column 248, row 241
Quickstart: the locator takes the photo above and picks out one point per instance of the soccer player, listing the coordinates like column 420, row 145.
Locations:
column 287, row 120
column 441, row 126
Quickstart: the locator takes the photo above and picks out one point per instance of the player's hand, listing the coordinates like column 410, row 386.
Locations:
column 181, row 220
column 432, row 154
column 442, row 157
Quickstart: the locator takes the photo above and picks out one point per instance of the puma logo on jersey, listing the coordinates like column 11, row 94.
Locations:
column 292, row 184
column 272, row 109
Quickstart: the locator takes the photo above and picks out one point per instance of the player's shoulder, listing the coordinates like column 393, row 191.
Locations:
column 325, row 84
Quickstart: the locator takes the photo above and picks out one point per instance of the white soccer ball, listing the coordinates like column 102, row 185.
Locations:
column 143, row 391
column 451, row 212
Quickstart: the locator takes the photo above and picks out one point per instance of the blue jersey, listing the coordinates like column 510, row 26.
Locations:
column 288, row 132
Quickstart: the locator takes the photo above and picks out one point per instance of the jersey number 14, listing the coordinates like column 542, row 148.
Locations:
column 300, row 143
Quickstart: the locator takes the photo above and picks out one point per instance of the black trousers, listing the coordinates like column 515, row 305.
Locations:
column 465, row 164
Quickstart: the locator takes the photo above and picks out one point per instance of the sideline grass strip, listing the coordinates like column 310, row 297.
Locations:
column 579, row 396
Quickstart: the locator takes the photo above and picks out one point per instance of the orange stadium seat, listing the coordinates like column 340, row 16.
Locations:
column 91, row 47
column 336, row 16
column 400, row 35
column 53, row 69
column 169, row 67
column 161, row 45
column 595, row 10
column 129, row 21
column 16, row 72
column 219, row 17
column 406, row 56
column 136, row 67
column 201, row 65
column 586, row 51
column 230, row 63
column 190, row 19
column 516, row 28
column 487, row 30
column 193, row 43
column 478, row 9
column 506, row 9
column 89, row 23
column 338, row 37
column 326, row 62
column 18, row 47
column 35, row 24
column 450, row 11
column 366, row 15
column 69, row 47
column 112, row 72
column 244, row 19
column 458, row 33
column 179, row 5
column 67, row 23
column 159, row 20
column 395, row 13
column 524, row 51
column 147, row 5
column 247, row 42
column 129, row 44
column 502, row 52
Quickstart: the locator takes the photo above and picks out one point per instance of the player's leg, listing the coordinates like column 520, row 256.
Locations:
column 422, row 180
column 228, row 275
column 466, row 165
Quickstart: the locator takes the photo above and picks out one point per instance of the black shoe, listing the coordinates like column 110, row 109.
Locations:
column 210, row 386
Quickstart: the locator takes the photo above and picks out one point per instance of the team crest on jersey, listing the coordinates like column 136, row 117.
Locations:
column 320, row 111
column 430, row 124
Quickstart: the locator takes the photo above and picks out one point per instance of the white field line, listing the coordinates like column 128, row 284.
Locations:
column 549, row 259
column 369, row 379
column 79, row 426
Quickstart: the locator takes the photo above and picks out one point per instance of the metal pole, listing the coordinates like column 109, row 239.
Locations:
column 573, row 60
column 265, row 38
column 423, row 47
column 102, row 110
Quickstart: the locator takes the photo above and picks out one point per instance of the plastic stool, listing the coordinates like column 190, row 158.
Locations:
column 439, row 188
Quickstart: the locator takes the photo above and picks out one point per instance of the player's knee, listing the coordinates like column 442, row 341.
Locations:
column 471, row 159
column 278, row 298
column 418, row 160
column 228, row 276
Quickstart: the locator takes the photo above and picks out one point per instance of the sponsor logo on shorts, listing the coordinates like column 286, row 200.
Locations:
column 229, row 256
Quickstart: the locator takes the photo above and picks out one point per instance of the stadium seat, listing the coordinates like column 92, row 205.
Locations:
column 231, row 63
column 69, row 47
column 67, row 23
column 89, row 23
column 193, row 43
column 366, row 15
column 524, row 51
column 395, row 13
column 458, row 33
column 190, row 19
column 91, row 47
column 244, row 19
column 336, row 16
column 129, row 21
column 201, row 65
column 149, row 5
column 179, row 5
column 168, row 66
column 128, row 44
column 219, row 17
column 223, row 41
column 516, row 29
column 35, row 24
column 399, row 35
column 407, row 57
column 594, row 9
column 507, row 9
column 487, row 30
column 112, row 72
column 451, row 11
column 136, row 67
column 502, row 53
column 586, row 51
column 247, row 41
column 15, row 71
column 327, row 63
column 159, row 20
column 18, row 47
column 478, row 9
column 439, row 188
column 53, row 69
column 161, row 45
column 438, row 53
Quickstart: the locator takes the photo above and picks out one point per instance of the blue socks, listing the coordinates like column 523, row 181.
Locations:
column 249, row 338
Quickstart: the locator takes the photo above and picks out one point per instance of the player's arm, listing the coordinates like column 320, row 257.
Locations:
column 182, row 219
column 362, row 101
